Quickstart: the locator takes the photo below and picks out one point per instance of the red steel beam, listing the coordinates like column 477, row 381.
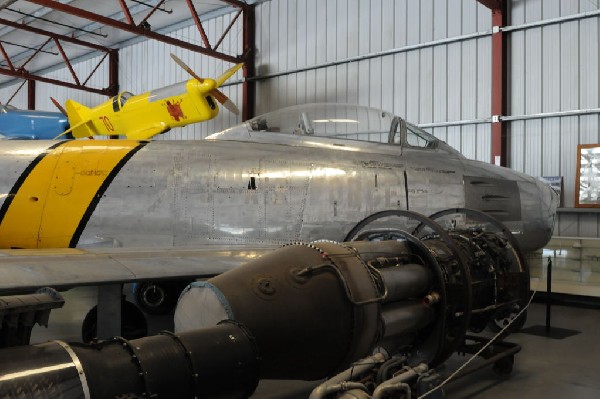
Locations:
column 227, row 29
column 499, row 84
column 94, row 70
column 198, row 23
column 6, row 58
column 22, row 74
column 126, row 12
column 31, row 94
column 78, row 12
column 16, row 91
column 248, row 86
column 67, row 62
column 156, row 7
column 113, row 73
column 42, row 32
column 35, row 53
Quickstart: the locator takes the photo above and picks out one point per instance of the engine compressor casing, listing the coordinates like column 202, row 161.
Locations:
column 326, row 304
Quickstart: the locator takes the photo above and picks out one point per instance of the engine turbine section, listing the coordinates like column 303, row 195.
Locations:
column 315, row 308
column 308, row 311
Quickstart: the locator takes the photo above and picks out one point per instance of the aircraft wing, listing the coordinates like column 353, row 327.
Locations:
column 25, row 270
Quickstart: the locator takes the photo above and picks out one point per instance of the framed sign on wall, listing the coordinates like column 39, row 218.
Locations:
column 587, row 189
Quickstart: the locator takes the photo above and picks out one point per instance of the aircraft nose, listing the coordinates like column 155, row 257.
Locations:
column 538, row 203
column 549, row 198
column 548, row 203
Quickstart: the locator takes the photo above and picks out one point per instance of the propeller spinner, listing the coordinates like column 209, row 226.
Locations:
column 216, row 93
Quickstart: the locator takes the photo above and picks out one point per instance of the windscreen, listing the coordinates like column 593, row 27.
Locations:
column 327, row 120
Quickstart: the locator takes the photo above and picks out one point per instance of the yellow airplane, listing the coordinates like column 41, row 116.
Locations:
column 140, row 117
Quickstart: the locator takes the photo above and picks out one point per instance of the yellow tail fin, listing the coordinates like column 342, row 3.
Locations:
column 79, row 116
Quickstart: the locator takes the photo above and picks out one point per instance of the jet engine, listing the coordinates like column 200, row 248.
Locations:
column 308, row 311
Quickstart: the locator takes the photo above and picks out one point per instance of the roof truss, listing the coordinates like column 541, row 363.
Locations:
column 140, row 29
column 20, row 71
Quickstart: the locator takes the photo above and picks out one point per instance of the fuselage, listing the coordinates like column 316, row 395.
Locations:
column 145, row 115
column 185, row 193
column 33, row 125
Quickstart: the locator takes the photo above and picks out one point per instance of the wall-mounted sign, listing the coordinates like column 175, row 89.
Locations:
column 587, row 190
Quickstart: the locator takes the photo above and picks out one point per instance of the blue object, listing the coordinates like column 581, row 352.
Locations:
column 16, row 124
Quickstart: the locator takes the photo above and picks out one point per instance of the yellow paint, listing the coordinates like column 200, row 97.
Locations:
column 143, row 116
column 51, row 202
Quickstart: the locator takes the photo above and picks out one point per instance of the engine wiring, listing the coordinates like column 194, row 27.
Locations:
column 484, row 347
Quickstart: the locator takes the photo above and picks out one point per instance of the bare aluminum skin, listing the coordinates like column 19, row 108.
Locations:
column 247, row 186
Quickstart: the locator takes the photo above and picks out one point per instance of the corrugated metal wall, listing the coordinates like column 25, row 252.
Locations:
column 438, row 83
column 555, row 68
column 436, row 68
column 551, row 68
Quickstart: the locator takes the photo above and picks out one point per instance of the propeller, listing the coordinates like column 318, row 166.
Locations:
column 216, row 93
column 60, row 107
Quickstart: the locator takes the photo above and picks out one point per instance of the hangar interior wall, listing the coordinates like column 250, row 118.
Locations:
column 427, row 60
column 432, row 64
column 554, row 68
column 435, row 83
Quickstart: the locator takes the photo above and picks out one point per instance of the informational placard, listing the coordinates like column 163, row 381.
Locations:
column 587, row 189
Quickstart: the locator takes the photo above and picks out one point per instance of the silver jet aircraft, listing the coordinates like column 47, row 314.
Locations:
column 107, row 212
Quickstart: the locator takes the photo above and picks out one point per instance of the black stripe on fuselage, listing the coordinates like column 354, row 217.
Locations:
column 23, row 177
column 94, row 202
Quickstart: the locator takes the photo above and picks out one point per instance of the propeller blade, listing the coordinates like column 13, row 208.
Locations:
column 229, row 73
column 60, row 107
column 186, row 68
column 225, row 101
column 217, row 94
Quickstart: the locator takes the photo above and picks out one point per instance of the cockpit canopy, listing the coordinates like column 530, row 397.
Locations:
column 336, row 121
column 327, row 120
column 120, row 100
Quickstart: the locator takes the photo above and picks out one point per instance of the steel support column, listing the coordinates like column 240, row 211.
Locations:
column 31, row 94
column 498, row 87
column 249, row 86
column 113, row 73
column 499, row 83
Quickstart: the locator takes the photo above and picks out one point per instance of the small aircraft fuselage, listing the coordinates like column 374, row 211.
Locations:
column 16, row 124
column 145, row 115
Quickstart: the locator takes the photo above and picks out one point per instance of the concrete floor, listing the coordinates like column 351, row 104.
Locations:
column 545, row 368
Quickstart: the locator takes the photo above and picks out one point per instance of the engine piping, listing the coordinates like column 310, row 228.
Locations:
column 308, row 311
